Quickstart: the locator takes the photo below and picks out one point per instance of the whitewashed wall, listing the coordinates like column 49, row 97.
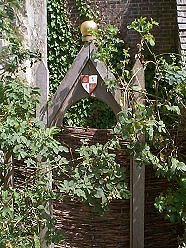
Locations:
column 34, row 27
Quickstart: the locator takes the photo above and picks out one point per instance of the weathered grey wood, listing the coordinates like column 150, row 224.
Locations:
column 106, row 74
column 41, row 76
column 137, row 178
column 1, row 43
column 71, row 91
column 68, row 82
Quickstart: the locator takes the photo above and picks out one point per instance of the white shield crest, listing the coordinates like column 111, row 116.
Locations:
column 89, row 82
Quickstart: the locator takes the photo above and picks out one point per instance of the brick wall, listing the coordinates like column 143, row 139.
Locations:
column 163, row 11
column 181, row 12
column 123, row 12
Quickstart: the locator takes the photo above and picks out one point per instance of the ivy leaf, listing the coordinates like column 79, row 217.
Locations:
column 36, row 241
column 174, row 109
column 152, row 42
column 100, row 194
column 177, row 165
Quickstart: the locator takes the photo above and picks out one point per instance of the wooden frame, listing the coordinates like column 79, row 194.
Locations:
column 137, row 175
column 70, row 90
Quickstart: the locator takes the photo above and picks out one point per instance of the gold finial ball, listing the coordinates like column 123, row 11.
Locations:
column 87, row 27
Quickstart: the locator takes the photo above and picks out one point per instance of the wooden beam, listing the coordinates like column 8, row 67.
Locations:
column 70, row 90
column 137, row 177
column 42, row 80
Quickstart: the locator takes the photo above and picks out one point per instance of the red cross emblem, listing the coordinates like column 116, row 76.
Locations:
column 89, row 82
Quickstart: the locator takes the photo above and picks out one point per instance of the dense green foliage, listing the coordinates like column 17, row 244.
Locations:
column 64, row 38
column 155, row 128
column 91, row 113
column 24, row 210
column 64, row 42
column 96, row 177
column 26, row 142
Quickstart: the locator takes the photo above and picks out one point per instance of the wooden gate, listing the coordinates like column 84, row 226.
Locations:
column 124, row 225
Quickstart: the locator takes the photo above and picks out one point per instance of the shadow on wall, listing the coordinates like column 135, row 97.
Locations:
column 164, row 12
column 123, row 12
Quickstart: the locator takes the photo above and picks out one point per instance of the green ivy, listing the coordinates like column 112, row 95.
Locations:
column 87, row 10
column 25, row 141
column 64, row 42
column 155, row 128
column 64, row 38
column 96, row 115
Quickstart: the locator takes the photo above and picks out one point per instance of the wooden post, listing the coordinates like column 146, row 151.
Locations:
column 42, row 77
column 137, row 179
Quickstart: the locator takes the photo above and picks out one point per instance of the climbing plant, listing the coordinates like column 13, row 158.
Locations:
column 97, row 115
column 160, row 120
column 24, row 141
column 64, row 42
column 64, row 38
column 26, row 145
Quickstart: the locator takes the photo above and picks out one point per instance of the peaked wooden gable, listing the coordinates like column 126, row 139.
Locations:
column 70, row 90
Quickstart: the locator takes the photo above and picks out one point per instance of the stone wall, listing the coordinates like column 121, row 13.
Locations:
column 34, row 26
